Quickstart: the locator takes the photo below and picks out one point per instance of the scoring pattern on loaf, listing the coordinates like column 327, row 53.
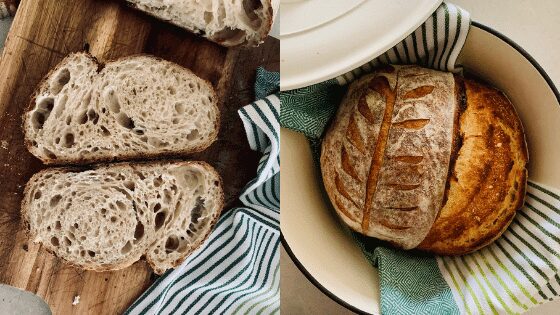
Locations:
column 108, row 217
column 386, row 156
column 135, row 107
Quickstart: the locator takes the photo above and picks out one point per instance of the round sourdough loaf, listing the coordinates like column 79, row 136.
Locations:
column 425, row 159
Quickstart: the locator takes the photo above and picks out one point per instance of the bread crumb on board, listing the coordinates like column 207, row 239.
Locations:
column 76, row 300
column 4, row 144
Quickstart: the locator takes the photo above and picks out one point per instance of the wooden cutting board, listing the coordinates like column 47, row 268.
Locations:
column 44, row 32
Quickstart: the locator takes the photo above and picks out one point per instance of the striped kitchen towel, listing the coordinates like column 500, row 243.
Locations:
column 237, row 270
column 518, row 271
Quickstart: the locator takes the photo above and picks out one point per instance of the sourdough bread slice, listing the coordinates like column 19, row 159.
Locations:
column 135, row 107
column 109, row 217
column 226, row 22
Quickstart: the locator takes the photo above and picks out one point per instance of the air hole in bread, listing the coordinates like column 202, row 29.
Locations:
column 139, row 231
column 38, row 119
column 67, row 241
column 157, row 207
column 180, row 108
column 103, row 210
column 175, row 121
column 54, row 241
column 172, row 90
column 125, row 121
column 34, row 143
column 139, row 131
column 112, row 100
column 197, row 211
column 57, row 140
column 160, row 218
column 91, row 253
column 129, row 185
column 57, row 225
column 191, row 86
column 93, row 116
column 49, row 154
column 192, row 227
column 60, row 80
column 158, row 181
column 69, row 140
column 104, row 131
column 172, row 243
column 193, row 135
column 38, row 194
column 82, row 118
column 126, row 248
column 251, row 7
column 113, row 219
column 208, row 17
column 155, row 142
column 120, row 205
column 83, row 253
column 68, row 120
column 166, row 196
column 76, row 225
column 55, row 200
column 46, row 105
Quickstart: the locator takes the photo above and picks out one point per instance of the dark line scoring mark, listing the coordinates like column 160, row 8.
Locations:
column 412, row 124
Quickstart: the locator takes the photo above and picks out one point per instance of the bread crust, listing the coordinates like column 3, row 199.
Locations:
column 485, row 179
column 123, row 156
column 25, row 207
column 489, row 178
column 386, row 156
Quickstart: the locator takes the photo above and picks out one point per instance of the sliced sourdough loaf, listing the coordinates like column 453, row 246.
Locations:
column 134, row 107
column 108, row 217
column 226, row 22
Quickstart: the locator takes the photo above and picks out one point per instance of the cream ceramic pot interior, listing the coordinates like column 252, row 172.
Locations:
column 322, row 246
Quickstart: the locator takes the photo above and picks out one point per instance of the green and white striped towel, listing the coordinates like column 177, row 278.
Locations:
column 518, row 271
column 237, row 270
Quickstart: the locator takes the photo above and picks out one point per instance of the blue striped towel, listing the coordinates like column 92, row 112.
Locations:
column 237, row 270
column 518, row 271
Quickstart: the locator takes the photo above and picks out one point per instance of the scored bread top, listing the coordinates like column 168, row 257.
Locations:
column 135, row 107
column 488, row 180
column 226, row 22
column 108, row 217
column 386, row 156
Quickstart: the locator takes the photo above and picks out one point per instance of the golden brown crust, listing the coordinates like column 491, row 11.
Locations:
column 489, row 177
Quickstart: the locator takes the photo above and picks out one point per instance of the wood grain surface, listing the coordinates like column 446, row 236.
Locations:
column 44, row 32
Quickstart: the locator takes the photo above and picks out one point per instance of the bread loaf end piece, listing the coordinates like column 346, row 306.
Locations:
column 228, row 23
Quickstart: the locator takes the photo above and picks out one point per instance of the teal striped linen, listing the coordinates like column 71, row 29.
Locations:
column 518, row 271
column 237, row 270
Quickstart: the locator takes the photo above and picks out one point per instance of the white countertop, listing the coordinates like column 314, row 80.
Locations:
column 535, row 26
